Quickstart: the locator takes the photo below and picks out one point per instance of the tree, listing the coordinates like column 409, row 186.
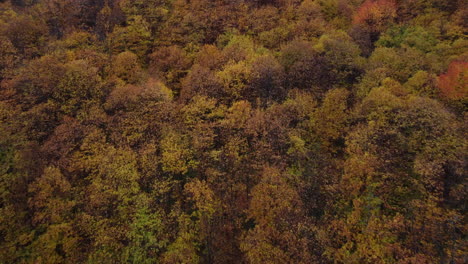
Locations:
column 52, row 205
column 78, row 87
column 108, row 201
column 384, row 180
column 155, row 12
column 329, row 121
column 207, row 208
column 267, row 80
column 127, row 67
column 135, row 37
column 27, row 35
column 342, row 56
column 423, row 84
column 279, row 233
column 8, row 57
column 37, row 81
column 234, row 78
column 185, row 247
column 399, row 64
column 210, row 57
column 264, row 19
column 246, row 131
column 306, row 68
column 170, row 63
column 415, row 37
column 376, row 14
column 147, row 236
column 176, row 155
column 453, row 84
column 201, row 81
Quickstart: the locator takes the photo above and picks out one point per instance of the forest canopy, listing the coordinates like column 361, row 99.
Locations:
column 245, row 131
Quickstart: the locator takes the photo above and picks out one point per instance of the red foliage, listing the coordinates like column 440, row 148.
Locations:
column 376, row 14
column 454, row 84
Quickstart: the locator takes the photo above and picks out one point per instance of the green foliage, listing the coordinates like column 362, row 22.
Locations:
column 415, row 37
column 185, row 248
column 147, row 237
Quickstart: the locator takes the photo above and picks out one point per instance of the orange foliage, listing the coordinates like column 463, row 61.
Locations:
column 453, row 84
column 376, row 14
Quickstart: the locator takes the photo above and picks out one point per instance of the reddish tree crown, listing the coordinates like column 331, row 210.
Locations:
column 453, row 84
column 375, row 13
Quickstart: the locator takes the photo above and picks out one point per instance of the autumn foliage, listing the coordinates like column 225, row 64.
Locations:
column 454, row 83
column 233, row 132
column 375, row 14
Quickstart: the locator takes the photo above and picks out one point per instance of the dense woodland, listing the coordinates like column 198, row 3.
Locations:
column 233, row 131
